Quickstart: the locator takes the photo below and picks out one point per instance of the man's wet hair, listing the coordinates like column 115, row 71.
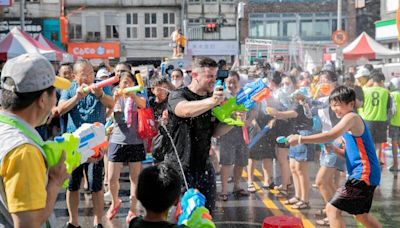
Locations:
column 14, row 101
column 342, row 94
column 177, row 70
column 202, row 62
column 377, row 76
column 158, row 188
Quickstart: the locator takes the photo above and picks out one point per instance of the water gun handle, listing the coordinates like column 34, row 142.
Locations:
column 245, row 134
column 139, row 79
column 104, row 83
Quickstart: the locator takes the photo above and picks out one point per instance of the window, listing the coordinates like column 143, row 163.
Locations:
column 306, row 28
column 256, row 29
column 321, row 28
column 75, row 26
column 93, row 28
column 150, row 25
column 132, row 25
column 194, row 20
column 272, row 29
column 334, row 25
column 210, row 1
column 289, row 28
column 168, row 24
column 112, row 28
column 210, row 20
column 192, row 1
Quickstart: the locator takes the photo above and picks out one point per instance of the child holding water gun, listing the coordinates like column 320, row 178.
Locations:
column 125, row 144
column 363, row 167
column 158, row 189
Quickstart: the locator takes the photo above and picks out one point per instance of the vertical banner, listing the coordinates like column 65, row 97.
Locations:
column 64, row 29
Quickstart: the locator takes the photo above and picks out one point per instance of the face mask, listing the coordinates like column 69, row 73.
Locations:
column 325, row 89
column 177, row 83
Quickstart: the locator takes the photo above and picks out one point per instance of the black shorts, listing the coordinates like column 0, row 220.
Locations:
column 126, row 153
column 264, row 148
column 355, row 197
column 94, row 174
column 378, row 131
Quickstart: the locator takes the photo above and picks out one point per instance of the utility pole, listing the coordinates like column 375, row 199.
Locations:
column 339, row 27
column 240, row 14
column 22, row 14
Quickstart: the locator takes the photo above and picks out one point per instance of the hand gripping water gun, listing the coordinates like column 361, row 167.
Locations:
column 193, row 213
column 282, row 139
column 223, row 112
column 87, row 141
column 133, row 89
column 102, row 84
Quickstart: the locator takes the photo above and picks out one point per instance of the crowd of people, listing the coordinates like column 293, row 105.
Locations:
column 313, row 110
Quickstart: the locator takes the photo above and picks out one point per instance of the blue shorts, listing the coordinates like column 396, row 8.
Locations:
column 94, row 174
column 302, row 152
column 331, row 160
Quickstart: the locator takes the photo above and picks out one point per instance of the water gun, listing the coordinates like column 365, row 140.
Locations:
column 223, row 112
column 302, row 92
column 193, row 213
column 258, row 136
column 253, row 92
column 102, row 84
column 87, row 141
column 134, row 89
column 282, row 139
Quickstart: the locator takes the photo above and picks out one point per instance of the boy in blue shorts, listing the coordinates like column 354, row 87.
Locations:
column 363, row 167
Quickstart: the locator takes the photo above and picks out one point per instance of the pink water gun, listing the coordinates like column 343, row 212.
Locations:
column 102, row 84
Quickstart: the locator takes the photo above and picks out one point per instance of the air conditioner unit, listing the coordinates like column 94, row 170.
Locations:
column 93, row 36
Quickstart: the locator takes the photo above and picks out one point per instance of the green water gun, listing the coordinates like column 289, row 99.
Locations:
column 223, row 112
column 200, row 218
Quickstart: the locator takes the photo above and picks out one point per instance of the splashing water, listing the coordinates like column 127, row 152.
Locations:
column 176, row 153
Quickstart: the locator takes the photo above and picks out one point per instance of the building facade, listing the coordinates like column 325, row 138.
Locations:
column 211, row 28
column 141, row 28
column 41, row 16
column 386, row 31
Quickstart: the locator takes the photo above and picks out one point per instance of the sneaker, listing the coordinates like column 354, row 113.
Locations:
column 107, row 197
column 98, row 226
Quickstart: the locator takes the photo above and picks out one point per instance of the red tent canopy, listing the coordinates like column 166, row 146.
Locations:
column 366, row 47
column 66, row 57
column 18, row 42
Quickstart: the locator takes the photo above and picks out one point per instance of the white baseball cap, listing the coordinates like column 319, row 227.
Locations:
column 102, row 73
column 362, row 71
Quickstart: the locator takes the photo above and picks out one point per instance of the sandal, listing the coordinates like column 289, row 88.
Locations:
column 129, row 217
column 251, row 188
column 291, row 201
column 113, row 211
column 301, row 205
column 240, row 192
column 282, row 193
column 223, row 197
column 322, row 222
column 269, row 187
column 320, row 212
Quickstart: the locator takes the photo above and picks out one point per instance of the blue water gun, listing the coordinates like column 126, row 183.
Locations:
column 193, row 213
column 253, row 92
column 258, row 136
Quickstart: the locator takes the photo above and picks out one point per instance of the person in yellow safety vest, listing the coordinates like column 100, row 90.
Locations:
column 394, row 127
column 376, row 110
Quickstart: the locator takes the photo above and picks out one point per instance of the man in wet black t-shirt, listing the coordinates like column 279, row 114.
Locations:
column 191, row 125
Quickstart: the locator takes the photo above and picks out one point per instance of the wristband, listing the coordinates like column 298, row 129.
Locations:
column 299, row 140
